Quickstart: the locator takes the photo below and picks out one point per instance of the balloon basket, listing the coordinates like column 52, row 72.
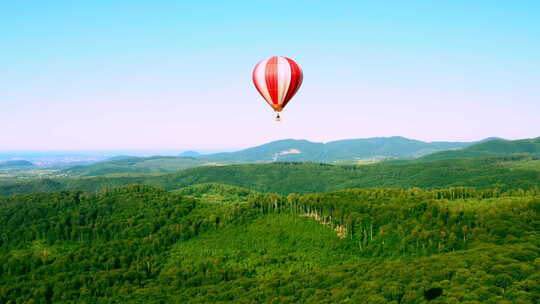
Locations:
column 278, row 118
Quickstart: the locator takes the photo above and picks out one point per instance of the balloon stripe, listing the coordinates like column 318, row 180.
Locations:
column 259, row 80
column 296, row 80
column 272, row 79
column 284, row 79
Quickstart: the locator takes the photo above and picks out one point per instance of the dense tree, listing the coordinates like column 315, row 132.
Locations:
column 217, row 243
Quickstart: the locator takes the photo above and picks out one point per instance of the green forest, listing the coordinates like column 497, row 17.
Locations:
column 442, row 231
column 215, row 243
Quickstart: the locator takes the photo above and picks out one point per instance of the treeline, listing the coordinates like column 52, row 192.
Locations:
column 401, row 223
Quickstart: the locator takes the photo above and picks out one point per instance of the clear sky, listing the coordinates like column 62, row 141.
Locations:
column 177, row 74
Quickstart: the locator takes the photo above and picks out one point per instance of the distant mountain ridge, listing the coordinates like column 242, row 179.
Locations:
column 335, row 151
column 350, row 151
column 190, row 154
column 491, row 148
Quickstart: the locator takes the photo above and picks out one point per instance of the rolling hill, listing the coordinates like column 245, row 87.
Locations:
column 490, row 148
column 344, row 151
column 516, row 172
column 16, row 164
column 134, row 165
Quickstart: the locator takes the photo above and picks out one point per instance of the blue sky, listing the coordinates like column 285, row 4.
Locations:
column 177, row 74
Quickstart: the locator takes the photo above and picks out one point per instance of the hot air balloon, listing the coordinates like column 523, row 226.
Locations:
column 277, row 79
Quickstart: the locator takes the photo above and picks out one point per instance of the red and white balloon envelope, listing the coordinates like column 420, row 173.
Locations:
column 277, row 79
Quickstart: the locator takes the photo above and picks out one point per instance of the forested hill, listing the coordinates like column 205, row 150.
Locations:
column 342, row 150
column 122, row 165
column 16, row 164
column 509, row 172
column 219, row 244
column 491, row 148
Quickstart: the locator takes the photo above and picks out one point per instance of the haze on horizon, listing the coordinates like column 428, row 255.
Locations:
column 135, row 75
